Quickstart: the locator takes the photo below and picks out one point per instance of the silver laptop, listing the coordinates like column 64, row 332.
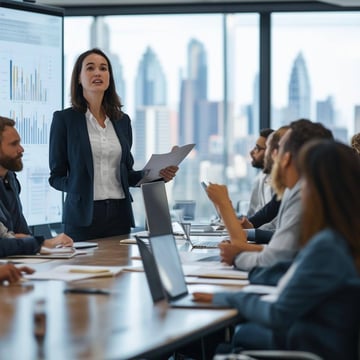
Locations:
column 158, row 218
column 202, row 241
column 151, row 272
column 167, row 264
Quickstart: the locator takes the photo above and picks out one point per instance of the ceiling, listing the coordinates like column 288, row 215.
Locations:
column 69, row 3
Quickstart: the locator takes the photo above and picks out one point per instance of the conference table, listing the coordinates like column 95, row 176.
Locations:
column 124, row 324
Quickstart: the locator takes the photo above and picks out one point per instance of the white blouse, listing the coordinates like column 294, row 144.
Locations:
column 106, row 152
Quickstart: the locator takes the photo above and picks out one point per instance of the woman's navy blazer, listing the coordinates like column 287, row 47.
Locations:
column 71, row 164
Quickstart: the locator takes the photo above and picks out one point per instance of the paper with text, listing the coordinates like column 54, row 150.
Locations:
column 158, row 162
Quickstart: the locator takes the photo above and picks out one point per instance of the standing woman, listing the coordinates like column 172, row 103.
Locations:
column 90, row 154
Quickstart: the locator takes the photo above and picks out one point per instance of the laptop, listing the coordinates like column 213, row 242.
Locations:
column 163, row 268
column 151, row 272
column 158, row 218
column 200, row 242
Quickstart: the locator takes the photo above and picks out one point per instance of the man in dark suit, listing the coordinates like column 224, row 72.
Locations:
column 18, row 239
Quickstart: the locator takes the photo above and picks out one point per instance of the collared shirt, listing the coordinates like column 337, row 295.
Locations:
column 106, row 152
column 284, row 244
column 261, row 193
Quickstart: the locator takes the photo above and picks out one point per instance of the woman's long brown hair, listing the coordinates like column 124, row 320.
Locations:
column 331, row 199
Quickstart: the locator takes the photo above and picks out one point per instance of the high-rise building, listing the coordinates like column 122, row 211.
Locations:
column 325, row 112
column 152, row 122
column 357, row 119
column 299, row 103
column 193, row 95
column 150, row 85
column 152, row 129
column 197, row 68
column 100, row 38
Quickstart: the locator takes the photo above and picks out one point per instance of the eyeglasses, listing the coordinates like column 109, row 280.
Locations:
column 258, row 148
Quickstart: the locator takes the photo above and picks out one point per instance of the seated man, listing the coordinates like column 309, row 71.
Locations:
column 17, row 239
column 264, row 220
column 261, row 192
column 284, row 244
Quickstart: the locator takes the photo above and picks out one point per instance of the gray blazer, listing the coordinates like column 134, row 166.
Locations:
column 284, row 244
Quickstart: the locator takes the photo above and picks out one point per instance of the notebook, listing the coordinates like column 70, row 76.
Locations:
column 157, row 211
column 168, row 264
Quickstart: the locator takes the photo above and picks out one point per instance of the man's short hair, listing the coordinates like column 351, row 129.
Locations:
column 4, row 121
column 302, row 131
column 266, row 132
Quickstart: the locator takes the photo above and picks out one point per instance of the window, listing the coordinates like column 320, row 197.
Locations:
column 172, row 84
column 315, row 70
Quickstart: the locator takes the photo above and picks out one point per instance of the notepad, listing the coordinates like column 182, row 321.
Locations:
column 75, row 272
column 57, row 250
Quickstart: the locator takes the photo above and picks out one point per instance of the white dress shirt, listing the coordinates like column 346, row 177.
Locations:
column 106, row 152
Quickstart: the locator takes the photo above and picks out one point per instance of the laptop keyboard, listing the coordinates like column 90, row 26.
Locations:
column 205, row 244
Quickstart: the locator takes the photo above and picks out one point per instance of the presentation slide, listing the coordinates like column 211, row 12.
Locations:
column 31, row 78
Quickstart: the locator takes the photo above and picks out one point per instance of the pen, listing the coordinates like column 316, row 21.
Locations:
column 90, row 291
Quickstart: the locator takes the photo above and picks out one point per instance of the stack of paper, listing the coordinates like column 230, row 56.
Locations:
column 75, row 272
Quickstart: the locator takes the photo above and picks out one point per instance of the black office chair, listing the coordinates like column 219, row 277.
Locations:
column 301, row 344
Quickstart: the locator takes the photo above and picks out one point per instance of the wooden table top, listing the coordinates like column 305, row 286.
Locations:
column 122, row 325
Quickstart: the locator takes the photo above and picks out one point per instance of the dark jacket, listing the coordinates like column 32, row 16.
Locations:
column 15, row 221
column 71, row 164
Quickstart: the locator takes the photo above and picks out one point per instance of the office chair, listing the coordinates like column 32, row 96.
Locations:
column 301, row 343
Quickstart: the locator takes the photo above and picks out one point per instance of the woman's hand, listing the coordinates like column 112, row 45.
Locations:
column 168, row 173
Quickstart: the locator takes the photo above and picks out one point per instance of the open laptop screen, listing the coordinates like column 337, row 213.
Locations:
column 157, row 211
column 169, row 266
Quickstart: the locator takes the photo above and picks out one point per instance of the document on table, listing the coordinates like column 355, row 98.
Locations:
column 161, row 161
column 218, row 272
column 52, row 253
column 75, row 272
column 218, row 281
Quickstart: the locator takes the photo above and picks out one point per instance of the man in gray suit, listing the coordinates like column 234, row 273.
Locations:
column 284, row 243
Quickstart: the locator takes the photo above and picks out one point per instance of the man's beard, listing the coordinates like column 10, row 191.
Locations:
column 277, row 181
column 257, row 164
column 11, row 164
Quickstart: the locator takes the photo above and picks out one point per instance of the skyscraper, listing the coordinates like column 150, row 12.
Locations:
column 150, row 86
column 152, row 123
column 99, row 37
column 299, row 91
column 356, row 119
column 197, row 68
column 325, row 112
column 193, row 93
